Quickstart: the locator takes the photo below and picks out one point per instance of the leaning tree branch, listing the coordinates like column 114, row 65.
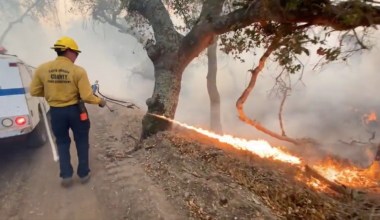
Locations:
column 276, row 43
column 18, row 20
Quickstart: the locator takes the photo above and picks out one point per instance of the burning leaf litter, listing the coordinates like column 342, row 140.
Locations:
column 347, row 175
column 250, row 184
column 259, row 147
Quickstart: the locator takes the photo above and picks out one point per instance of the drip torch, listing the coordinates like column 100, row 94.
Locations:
column 126, row 104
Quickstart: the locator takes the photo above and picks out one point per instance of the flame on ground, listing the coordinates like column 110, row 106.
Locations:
column 312, row 182
column 347, row 175
column 259, row 147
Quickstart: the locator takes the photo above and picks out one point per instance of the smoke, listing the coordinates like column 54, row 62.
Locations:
column 107, row 55
column 329, row 107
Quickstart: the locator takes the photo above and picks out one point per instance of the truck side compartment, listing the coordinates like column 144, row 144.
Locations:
column 18, row 110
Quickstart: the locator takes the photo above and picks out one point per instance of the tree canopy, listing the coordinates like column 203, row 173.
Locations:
column 181, row 30
column 248, row 24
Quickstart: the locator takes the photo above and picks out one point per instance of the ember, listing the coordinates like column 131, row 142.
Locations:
column 371, row 117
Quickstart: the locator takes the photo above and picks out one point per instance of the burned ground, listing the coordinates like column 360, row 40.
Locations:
column 209, row 180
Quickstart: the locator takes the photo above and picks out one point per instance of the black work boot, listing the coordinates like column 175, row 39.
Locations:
column 67, row 182
column 85, row 179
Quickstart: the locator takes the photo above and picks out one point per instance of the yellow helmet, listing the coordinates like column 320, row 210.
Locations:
column 65, row 43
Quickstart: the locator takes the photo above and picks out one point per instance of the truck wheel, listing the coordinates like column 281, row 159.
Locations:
column 38, row 137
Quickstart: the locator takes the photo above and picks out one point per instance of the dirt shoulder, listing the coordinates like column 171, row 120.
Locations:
column 124, row 186
column 204, row 179
column 181, row 185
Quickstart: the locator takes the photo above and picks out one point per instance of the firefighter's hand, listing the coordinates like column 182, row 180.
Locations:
column 102, row 103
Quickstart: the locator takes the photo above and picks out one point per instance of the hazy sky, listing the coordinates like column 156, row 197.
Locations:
column 329, row 107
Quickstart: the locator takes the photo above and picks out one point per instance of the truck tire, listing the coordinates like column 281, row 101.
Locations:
column 38, row 137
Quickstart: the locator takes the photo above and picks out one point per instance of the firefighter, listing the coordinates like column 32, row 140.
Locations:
column 65, row 85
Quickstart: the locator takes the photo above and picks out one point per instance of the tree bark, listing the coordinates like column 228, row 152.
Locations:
column 170, row 54
column 165, row 95
column 215, row 122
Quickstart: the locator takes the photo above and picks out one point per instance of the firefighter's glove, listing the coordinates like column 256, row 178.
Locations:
column 102, row 103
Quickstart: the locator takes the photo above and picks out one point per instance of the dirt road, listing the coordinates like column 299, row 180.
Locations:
column 119, row 189
column 30, row 190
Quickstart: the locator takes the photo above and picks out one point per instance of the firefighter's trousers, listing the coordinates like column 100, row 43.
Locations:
column 62, row 120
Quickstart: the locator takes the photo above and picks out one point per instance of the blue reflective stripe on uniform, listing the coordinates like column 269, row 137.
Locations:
column 14, row 91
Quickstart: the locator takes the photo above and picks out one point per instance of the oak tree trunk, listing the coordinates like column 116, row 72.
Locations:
column 170, row 53
column 165, row 95
column 215, row 122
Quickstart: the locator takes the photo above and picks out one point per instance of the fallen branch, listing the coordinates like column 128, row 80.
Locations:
column 339, row 188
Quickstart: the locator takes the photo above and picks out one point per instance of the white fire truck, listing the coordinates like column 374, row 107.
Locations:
column 21, row 115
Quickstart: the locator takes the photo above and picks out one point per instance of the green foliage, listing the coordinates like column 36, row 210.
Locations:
column 293, row 42
column 296, row 39
column 330, row 54
column 187, row 10
column 237, row 42
column 293, row 4
column 354, row 12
